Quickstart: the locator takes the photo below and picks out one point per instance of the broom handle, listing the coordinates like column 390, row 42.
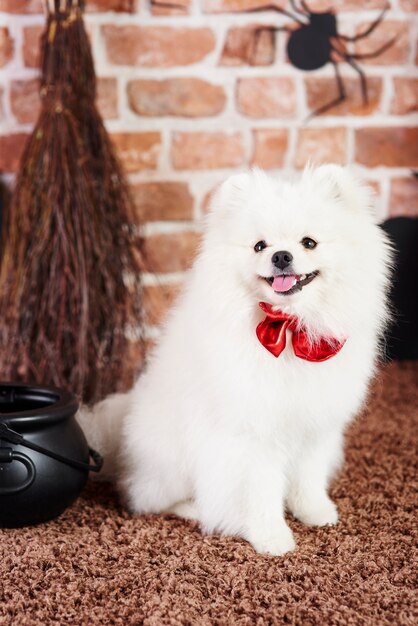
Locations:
column 60, row 6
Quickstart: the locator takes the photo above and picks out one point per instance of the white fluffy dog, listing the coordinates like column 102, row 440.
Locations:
column 241, row 411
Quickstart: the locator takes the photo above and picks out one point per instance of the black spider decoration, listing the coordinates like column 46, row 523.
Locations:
column 317, row 42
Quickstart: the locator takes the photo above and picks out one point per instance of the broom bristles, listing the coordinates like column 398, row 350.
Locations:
column 67, row 244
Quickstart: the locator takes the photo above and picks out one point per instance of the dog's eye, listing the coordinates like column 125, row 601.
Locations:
column 260, row 245
column 308, row 243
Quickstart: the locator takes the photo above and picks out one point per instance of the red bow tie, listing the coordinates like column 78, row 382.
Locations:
column 271, row 332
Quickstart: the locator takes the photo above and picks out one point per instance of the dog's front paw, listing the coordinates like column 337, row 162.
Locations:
column 319, row 512
column 276, row 542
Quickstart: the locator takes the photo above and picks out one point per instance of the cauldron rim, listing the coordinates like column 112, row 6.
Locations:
column 55, row 405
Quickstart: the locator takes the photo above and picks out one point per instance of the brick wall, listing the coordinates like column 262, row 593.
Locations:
column 185, row 108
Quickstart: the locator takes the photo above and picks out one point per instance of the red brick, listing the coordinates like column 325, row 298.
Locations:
column 409, row 5
column 170, row 7
column 234, row 6
column 172, row 252
column 31, row 45
column 138, row 151
column 185, row 97
column 321, row 145
column 243, row 46
column 1, row 104
column 405, row 95
column 390, row 146
column 347, row 5
column 195, row 151
column 11, row 150
column 266, row 97
column 6, row 46
column 157, row 300
column 321, row 90
column 270, row 146
column 107, row 97
column 21, row 6
column 404, row 197
column 124, row 6
column 157, row 46
column 162, row 201
column 24, row 100
column 397, row 54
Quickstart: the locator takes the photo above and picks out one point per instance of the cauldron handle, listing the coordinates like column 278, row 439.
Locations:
column 11, row 435
column 8, row 455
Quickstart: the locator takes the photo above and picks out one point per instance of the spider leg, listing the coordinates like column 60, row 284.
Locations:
column 363, row 81
column 163, row 5
column 305, row 7
column 369, row 29
column 297, row 10
column 340, row 98
column 273, row 7
column 375, row 53
column 349, row 59
column 257, row 34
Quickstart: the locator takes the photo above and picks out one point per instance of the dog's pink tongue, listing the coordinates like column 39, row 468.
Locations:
column 283, row 283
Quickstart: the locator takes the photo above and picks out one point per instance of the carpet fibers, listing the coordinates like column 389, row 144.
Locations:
column 97, row 565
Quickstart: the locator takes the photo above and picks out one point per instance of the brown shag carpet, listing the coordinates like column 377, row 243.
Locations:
column 97, row 565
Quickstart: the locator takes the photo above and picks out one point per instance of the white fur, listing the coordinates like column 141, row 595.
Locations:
column 217, row 427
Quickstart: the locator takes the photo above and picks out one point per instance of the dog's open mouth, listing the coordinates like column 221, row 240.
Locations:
column 286, row 284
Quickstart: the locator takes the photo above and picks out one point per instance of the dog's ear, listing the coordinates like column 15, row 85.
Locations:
column 231, row 192
column 340, row 184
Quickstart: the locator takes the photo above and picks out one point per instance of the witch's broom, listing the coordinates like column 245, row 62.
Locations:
column 65, row 297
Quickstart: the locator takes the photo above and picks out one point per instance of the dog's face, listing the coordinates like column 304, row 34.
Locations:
column 302, row 247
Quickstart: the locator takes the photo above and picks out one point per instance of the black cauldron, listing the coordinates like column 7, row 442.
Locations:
column 44, row 456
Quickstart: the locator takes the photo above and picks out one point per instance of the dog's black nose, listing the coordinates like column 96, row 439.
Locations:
column 282, row 259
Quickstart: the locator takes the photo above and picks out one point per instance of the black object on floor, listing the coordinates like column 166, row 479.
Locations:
column 44, row 456
column 402, row 337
